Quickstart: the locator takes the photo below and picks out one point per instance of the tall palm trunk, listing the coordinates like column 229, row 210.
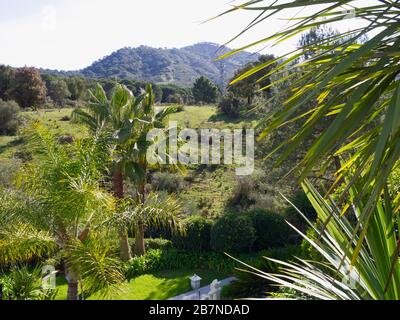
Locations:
column 140, row 248
column 73, row 285
column 118, row 188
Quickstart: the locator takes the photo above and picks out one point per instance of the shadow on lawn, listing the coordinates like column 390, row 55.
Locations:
column 13, row 143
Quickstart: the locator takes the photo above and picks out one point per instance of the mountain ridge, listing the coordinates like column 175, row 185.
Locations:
column 166, row 66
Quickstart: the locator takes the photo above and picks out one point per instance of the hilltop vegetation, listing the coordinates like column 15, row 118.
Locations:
column 167, row 66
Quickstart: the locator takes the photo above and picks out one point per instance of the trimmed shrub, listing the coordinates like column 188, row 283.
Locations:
column 153, row 244
column 272, row 231
column 233, row 233
column 9, row 117
column 197, row 237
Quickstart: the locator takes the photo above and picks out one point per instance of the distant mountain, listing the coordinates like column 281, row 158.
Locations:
column 178, row 66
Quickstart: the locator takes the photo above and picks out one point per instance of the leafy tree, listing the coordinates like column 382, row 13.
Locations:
column 28, row 88
column 204, row 91
column 60, row 211
column 231, row 105
column 6, row 76
column 9, row 117
column 76, row 87
column 172, row 93
column 58, row 91
column 152, row 211
column 127, row 120
column 249, row 86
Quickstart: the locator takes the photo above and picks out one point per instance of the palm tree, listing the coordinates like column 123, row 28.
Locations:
column 375, row 275
column 354, row 85
column 127, row 120
column 153, row 211
column 59, row 210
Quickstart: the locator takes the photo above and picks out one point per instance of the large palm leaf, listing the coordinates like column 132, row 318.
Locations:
column 354, row 85
column 375, row 274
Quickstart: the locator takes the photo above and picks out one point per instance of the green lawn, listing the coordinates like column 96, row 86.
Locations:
column 158, row 286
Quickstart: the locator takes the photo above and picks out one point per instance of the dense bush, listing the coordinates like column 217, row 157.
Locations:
column 243, row 194
column 197, row 237
column 272, row 231
column 233, row 233
column 303, row 204
column 157, row 260
column 231, row 105
column 165, row 181
column 9, row 117
column 153, row 243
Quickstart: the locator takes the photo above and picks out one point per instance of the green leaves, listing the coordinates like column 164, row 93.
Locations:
column 153, row 210
column 351, row 83
column 99, row 269
column 374, row 275
column 21, row 243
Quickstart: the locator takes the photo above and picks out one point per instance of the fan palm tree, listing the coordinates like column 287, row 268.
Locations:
column 375, row 275
column 127, row 120
column 59, row 210
column 353, row 84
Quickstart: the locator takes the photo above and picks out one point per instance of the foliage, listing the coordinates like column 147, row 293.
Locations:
column 302, row 203
column 175, row 94
column 271, row 230
column 165, row 181
column 231, row 105
column 28, row 88
column 76, row 87
column 233, row 233
column 9, row 117
column 177, row 66
column 6, row 76
column 173, row 259
column 58, row 91
column 61, row 210
column 154, row 244
column 154, row 211
column 354, row 84
column 204, row 91
column 250, row 87
column 374, row 275
column 197, row 237
column 25, row 284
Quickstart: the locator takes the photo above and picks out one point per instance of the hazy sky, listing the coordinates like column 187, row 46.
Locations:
column 71, row 34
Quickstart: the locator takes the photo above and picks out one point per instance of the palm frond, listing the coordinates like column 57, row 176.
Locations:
column 374, row 275
column 21, row 243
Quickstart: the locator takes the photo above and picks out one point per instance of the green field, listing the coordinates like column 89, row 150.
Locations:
column 208, row 187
